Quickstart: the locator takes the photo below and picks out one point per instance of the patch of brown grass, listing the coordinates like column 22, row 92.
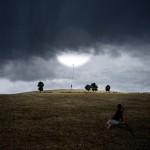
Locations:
column 76, row 120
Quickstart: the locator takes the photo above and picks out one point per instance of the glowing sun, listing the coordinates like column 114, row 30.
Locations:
column 73, row 58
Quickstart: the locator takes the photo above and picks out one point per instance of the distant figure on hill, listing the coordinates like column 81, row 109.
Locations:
column 117, row 118
column 40, row 86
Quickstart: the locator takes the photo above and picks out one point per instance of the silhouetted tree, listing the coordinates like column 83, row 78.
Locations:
column 40, row 86
column 88, row 87
column 107, row 88
column 94, row 87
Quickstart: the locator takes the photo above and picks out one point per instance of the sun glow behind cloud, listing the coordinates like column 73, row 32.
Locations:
column 73, row 58
column 120, row 72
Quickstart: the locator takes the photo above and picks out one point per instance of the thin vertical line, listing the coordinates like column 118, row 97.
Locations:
column 72, row 75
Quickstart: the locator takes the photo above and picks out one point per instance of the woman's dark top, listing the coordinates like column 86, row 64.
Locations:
column 118, row 115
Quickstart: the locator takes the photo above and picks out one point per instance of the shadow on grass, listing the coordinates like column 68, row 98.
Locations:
column 125, row 126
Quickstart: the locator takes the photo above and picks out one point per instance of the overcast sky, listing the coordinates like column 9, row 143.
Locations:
column 34, row 32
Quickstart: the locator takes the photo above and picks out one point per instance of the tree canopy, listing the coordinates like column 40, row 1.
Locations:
column 94, row 87
column 107, row 88
column 88, row 87
column 40, row 86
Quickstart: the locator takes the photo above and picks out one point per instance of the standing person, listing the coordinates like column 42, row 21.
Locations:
column 117, row 117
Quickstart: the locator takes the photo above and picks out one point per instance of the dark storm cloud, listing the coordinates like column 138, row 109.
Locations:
column 36, row 27
column 31, row 70
column 33, row 32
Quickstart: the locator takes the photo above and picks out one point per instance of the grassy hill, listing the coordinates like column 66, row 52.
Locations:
column 64, row 119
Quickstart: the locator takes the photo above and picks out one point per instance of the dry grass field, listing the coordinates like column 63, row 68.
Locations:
column 73, row 121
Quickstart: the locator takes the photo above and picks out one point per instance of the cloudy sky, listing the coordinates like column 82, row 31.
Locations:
column 115, row 34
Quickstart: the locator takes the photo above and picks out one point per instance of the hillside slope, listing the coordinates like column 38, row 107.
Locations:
column 64, row 120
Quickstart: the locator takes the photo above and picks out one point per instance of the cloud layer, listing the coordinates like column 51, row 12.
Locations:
column 117, row 33
column 37, row 28
column 123, row 73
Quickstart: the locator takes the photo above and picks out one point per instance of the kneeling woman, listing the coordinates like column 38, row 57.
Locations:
column 117, row 117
